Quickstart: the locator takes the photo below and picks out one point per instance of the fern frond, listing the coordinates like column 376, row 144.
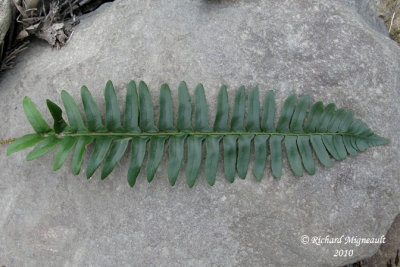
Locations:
column 330, row 132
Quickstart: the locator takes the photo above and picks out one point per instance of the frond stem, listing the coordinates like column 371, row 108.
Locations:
column 135, row 134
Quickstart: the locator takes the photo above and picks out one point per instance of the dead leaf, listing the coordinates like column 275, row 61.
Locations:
column 22, row 35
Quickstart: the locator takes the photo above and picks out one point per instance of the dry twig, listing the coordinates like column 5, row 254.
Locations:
column 394, row 14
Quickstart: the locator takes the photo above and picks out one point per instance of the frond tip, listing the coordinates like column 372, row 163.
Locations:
column 330, row 132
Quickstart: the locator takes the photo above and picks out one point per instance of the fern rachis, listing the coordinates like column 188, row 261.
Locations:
column 327, row 131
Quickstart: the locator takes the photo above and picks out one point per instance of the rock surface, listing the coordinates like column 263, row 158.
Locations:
column 388, row 251
column 5, row 20
column 330, row 50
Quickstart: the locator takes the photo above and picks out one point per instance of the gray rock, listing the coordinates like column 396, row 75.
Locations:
column 323, row 48
column 389, row 250
column 367, row 12
column 5, row 20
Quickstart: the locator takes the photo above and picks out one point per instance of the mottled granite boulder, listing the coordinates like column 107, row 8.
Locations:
column 331, row 50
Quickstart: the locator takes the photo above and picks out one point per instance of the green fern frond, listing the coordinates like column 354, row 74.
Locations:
column 330, row 132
